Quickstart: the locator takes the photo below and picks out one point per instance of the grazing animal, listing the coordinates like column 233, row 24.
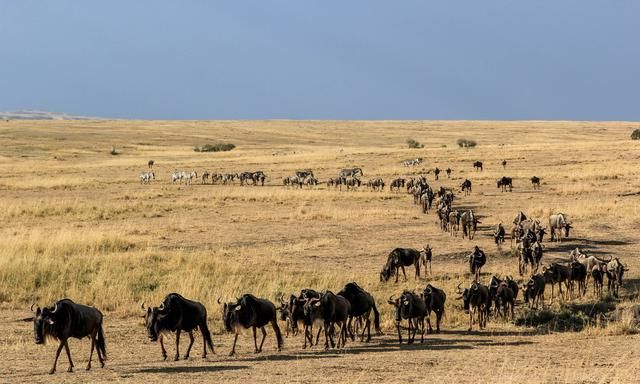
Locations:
column 67, row 319
column 351, row 172
column 504, row 183
column 205, row 177
column 498, row 235
column 147, row 177
column 477, row 260
column 449, row 170
column 504, row 164
column 397, row 184
column 436, row 172
column 434, row 299
column 293, row 313
column 615, row 272
column 251, row 312
column 476, row 301
column 412, row 162
column 535, row 182
column 557, row 223
column 477, row 165
column 398, row 259
column 469, row 224
column 304, row 173
column 598, row 280
column 426, row 258
column 494, row 284
column 466, row 187
column 520, row 217
column 150, row 164
column 534, row 290
column 557, row 273
column 504, row 300
column 332, row 310
column 362, row 304
column 410, row 307
column 177, row 314
column 454, row 222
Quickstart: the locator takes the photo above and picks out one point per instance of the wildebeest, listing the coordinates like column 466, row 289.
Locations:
column 504, row 300
column 426, row 258
column 434, row 299
column 304, row 173
column 376, row 184
column 535, row 182
column 448, row 171
column 477, row 259
column 398, row 259
column 494, row 284
column 205, row 177
column 498, row 235
column 292, row 311
column 454, row 222
column 558, row 222
column 533, row 290
column 351, row 172
column 410, row 307
column 251, row 312
column 557, row 273
column 466, row 187
column 615, row 272
column 469, row 224
column 332, row 310
column 598, row 279
column 505, row 182
column 476, row 300
column 177, row 314
column 436, row 172
column 397, row 184
column 504, row 164
column 477, row 165
column 362, row 304
column 150, row 164
column 67, row 319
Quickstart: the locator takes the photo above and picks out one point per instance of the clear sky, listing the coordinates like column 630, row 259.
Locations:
column 325, row 59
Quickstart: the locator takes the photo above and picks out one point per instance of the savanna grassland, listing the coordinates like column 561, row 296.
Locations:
column 76, row 222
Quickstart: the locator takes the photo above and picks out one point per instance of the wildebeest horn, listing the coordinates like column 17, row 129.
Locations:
column 458, row 289
column 55, row 308
column 31, row 307
column 218, row 301
column 161, row 307
column 142, row 306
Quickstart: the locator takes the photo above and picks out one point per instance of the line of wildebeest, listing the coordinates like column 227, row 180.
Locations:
column 347, row 314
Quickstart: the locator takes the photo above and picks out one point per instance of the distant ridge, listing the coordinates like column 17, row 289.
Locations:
column 42, row 115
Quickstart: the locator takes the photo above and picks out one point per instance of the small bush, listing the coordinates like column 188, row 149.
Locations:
column 114, row 152
column 466, row 143
column 635, row 135
column 218, row 147
column 414, row 144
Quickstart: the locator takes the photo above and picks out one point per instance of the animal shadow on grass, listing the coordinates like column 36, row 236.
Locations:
column 319, row 354
column 192, row 369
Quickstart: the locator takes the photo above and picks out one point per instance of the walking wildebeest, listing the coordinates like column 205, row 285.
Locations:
column 504, row 164
column 397, row 184
column 449, row 170
column 434, row 299
column 177, row 314
column 67, row 319
column 477, row 260
column 535, row 182
column 477, row 165
column 476, row 301
column 332, row 310
column 362, row 304
column 250, row 311
column 426, row 259
column 150, row 164
column 293, row 313
column 498, row 235
column 469, row 224
column 505, row 182
column 558, row 222
column 436, row 172
column 398, row 259
column 504, row 299
column 412, row 308
column 466, row 187
column 534, row 290
column 615, row 272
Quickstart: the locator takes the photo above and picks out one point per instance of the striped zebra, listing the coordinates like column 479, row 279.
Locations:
column 147, row 177
column 412, row 162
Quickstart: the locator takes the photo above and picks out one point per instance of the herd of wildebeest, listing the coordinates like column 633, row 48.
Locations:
column 343, row 316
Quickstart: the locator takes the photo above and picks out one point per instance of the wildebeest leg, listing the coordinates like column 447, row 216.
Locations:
column 318, row 334
column 399, row 332
column 353, row 337
column 177, row 356
column 422, row 330
column 429, row 329
column 66, row 348
column 55, row 361
column 186, row 356
column 255, row 340
column 471, row 313
column 164, row 351
column 233, row 349
column 438, row 318
column 327, row 335
column 93, row 344
column 403, row 273
column 264, row 336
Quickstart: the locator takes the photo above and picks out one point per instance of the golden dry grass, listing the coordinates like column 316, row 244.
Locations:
column 76, row 222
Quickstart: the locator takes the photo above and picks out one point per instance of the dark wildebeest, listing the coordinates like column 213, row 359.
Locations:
column 177, row 314
column 150, row 164
column 469, row 224
column 362, row 304
column 534, row 290
column 477, row 165
column 398, row 259
column 504, row 300
column 520, row 217
column 504, row 164
column 505, row 182
column 466, row 187
column 454, row 222
column 250, row 311
column 293, row 313
column 615, row 272
column 477, row 260
column 598, row 280
column 304, row 173
column 351, row 172
column 535, row 182
column 557, row 273
column 67, row 319
column 449, row 170
column 476, row 301
column 524, row 252
column 426, row 258
column 205, row 177
column 495, row 282
column 412, row 308
column 558, row 222
column 436, row 172
column 332, row 310
column 397, row 184
column 434, row 299
column 498, row 235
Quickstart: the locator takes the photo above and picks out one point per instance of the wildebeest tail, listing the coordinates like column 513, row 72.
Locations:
column 206, row 335
column 100, row 343
column 376, row 319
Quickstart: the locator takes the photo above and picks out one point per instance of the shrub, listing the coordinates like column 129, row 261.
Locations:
column 635, row 135
column 114, row 152
column 218, row 147
column 466, row 143
column 414, row 144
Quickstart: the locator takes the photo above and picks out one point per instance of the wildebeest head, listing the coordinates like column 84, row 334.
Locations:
column 385, row 274
column 464, row 296
column 43, row 321
column 152, row 319
column 567, row 227
column 230, row 314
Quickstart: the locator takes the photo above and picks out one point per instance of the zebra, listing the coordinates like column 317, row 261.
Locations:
column 147, row 177
column 188, row 177
column 351, row 172
column 205, row 177
column 309, row 180
column 176, row 176
column 412, row 162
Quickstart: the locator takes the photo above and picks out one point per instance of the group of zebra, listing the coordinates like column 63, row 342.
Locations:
column 412, row 162
column 185, row 177
column 301, row 178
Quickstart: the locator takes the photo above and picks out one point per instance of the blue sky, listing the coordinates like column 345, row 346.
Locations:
column 342, row 59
